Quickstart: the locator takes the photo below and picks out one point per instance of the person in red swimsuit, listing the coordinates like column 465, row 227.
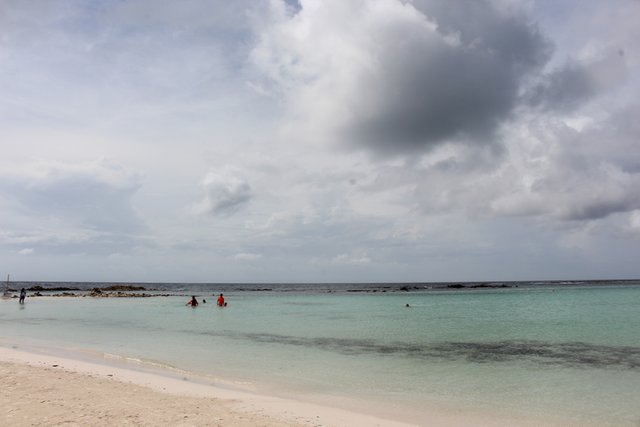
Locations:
column 220, row 300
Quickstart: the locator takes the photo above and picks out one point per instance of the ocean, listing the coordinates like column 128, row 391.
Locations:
column 558, row 351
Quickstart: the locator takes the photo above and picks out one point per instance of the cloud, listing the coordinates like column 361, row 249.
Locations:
column 575, row 195
column 568, row 87
column 26, row 251
column 352, row 259
column 596, row 171
column 633, row 224
column 397, row 77
column 247, row 256
column 70, row 207
column 550, row 174
column 226, row 192
column 96, row 195
column 73, row 64
column 57, row 239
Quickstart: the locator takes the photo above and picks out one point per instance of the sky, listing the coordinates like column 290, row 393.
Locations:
column 319, row 141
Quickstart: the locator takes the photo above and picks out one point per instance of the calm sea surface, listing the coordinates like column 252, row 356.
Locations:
column 563, row 350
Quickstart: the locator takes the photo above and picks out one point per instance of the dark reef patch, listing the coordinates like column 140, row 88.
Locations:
column 566, row 354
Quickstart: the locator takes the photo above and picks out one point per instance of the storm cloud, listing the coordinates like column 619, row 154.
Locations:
column 402, row 77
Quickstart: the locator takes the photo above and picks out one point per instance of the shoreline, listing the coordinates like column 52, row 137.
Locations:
column 46, row 387
column 39, row 373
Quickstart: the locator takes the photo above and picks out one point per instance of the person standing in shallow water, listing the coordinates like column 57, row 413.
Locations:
column 193, row 302
column 23, row 295
column 221, row 301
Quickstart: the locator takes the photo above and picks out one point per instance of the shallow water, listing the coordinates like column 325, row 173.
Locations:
column 567, row 352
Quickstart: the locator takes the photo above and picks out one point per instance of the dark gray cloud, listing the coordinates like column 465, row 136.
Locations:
column 489, row 25
column 459, row 82
column 432, row 97
column 408, row 76
column 568, row 87
column 564, row 89
column 598, row 209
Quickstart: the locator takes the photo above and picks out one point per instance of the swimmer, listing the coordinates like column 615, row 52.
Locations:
column 193, row 302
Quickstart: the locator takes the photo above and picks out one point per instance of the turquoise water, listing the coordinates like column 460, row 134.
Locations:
column 563, row 353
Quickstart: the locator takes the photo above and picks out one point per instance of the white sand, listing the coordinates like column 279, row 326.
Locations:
column 39, row 389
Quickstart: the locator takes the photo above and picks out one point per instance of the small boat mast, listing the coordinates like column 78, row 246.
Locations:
column 6, row 293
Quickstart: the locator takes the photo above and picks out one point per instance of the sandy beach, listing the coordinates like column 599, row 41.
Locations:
column 41, row 389
column 52, row 396
column 46, row 390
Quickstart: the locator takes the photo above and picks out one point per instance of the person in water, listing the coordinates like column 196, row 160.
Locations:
column 23, row 295
column 221, row 301
column 193, row 302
